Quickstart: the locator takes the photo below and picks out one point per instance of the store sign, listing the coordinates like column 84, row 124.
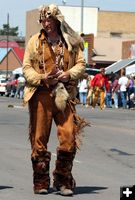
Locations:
column 86, row 51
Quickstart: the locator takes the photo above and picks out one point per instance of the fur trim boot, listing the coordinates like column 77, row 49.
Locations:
column 63, row 179
column 41, row 178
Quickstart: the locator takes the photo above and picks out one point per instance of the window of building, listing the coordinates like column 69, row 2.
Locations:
column 116, row 34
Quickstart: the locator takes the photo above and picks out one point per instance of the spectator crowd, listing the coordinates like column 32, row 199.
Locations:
column 15, row 86
column 107, row 91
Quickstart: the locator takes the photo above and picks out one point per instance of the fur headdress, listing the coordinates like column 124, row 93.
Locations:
column 72, row 38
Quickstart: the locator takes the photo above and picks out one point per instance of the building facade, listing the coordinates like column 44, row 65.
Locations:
column 105, row 32
column 116, row 24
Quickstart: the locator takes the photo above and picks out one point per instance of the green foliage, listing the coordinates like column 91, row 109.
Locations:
column 12, row 31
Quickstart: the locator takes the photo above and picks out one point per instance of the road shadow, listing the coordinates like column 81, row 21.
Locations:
column 83, row 190
column 2, row 187
column 88, row 189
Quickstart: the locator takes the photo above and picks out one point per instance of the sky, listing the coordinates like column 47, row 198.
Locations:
column 17, row 9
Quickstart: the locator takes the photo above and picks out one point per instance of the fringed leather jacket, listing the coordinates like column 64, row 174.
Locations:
column 39, row 57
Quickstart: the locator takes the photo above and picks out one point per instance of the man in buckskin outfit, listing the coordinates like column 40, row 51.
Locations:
column 53, row 63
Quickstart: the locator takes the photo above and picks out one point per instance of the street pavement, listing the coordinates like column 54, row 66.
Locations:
column 105, row 162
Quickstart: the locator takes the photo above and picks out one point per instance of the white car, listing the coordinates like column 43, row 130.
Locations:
column 3, row 84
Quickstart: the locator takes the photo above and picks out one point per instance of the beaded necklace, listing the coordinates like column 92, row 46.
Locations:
column 58, row 49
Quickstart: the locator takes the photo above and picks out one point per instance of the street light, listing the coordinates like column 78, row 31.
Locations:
column 64, row 2
column 82, row 12
column 7, row 44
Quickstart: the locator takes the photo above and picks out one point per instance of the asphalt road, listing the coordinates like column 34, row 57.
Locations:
column 105, row 162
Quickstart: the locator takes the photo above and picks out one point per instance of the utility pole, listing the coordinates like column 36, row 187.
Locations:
column 7, row 44
column 64, row 2
column 82, row 14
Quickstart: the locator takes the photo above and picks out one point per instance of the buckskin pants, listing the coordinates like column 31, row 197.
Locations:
column 99, row 92
column 42, row 111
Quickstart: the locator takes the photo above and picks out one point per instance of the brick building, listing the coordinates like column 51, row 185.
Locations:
column 11, row 59
column 128, row 49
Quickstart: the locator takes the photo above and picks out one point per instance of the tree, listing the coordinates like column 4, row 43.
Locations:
column 12, row 31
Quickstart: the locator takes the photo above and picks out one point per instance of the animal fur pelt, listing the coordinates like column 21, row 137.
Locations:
column 61, row 96
column 72, row 38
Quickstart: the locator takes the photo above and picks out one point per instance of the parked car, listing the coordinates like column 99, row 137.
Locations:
column 92, row 71
column 11, row 86
column 3, row 84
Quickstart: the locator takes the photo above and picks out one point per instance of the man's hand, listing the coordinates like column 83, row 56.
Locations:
column 51, row 78
column 64, row 76
column 51, row 81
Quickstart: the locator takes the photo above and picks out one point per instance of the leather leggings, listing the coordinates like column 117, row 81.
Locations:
column 42, row 111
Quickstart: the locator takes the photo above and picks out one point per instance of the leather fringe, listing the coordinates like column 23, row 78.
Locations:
column 79, row 125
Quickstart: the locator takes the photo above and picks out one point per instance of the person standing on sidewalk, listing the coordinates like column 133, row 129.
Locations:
column 53, row 63
column 99, row 85
column 90, row 91
column 115, row 91
column 123, row 82
column 83, row 89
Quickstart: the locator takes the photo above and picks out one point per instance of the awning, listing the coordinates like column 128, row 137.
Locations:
column 17, row 70
column 117, row 66
column 130, row 69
